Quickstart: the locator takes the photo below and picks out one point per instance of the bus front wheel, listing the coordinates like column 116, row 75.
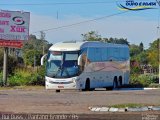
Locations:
column 57, row 91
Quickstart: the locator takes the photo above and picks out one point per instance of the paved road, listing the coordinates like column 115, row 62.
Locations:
column 43, row 101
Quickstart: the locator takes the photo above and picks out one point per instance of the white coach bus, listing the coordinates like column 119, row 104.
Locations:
column 86, row 65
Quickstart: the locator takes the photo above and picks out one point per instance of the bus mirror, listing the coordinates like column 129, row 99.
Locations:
column 79, row 60
column 42, row 59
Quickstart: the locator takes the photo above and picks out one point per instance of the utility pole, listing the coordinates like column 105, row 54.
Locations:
column 42, row 33
column 5, row 64
column 158, row 45
column 158, row 32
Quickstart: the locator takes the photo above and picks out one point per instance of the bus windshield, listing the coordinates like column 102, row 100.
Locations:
column 62, row 64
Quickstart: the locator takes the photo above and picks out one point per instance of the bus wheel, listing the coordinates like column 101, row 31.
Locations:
column 57, row 91
column 115, row 83
column 109, row 88
column 92, row 89
column 120, row 81
column 87, row 85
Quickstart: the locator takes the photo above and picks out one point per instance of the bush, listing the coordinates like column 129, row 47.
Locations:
column 143, row 80
column 154, row 85
column 38, row 78
column 12, row 62
column 131, row 105
column 26, row 76
column 21, row 77
column 136, row 70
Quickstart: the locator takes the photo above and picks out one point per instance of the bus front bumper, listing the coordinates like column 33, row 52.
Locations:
column 67, row 83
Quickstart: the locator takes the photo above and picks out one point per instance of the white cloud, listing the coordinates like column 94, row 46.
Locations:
column 136, row 30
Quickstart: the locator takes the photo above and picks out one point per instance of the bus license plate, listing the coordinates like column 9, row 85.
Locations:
column 60, row 86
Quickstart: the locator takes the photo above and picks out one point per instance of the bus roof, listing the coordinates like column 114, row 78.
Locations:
column 66, row 46
column 75, row 46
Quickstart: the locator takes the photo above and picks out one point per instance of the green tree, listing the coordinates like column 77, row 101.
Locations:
column 116, row 41
column 141, row 47
column 134, row 50
column 153, row 53
column 91, row 36
column 142, row 58
column 135, row 55
column 32, row 37
column 94, row 36
column 31, row 57
column 34, row 48
column 36, row 44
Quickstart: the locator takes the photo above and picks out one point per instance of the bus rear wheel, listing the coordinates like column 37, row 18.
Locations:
column 115, row 83
column 87, row 85
column 120, row 82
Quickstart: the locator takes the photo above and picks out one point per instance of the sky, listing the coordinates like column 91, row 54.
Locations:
column 136, row 26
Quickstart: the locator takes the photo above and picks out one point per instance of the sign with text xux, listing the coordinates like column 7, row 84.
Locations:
column 14, row 28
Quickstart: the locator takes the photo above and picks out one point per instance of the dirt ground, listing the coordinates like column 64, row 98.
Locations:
column 76, row 103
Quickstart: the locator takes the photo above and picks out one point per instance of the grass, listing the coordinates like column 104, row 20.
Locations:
column 23, row 77
column 130, row 105
column 144, row 80
column 154, row 85
column 23, row 88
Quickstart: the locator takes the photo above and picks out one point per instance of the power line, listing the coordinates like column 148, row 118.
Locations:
column 86, row 21
column 61, row 3
column 64, row 3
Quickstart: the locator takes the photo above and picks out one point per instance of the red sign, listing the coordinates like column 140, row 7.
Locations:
column 9, row 43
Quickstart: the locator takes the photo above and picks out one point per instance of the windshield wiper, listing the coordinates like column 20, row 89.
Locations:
column 67, row 72
column 59, row 69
